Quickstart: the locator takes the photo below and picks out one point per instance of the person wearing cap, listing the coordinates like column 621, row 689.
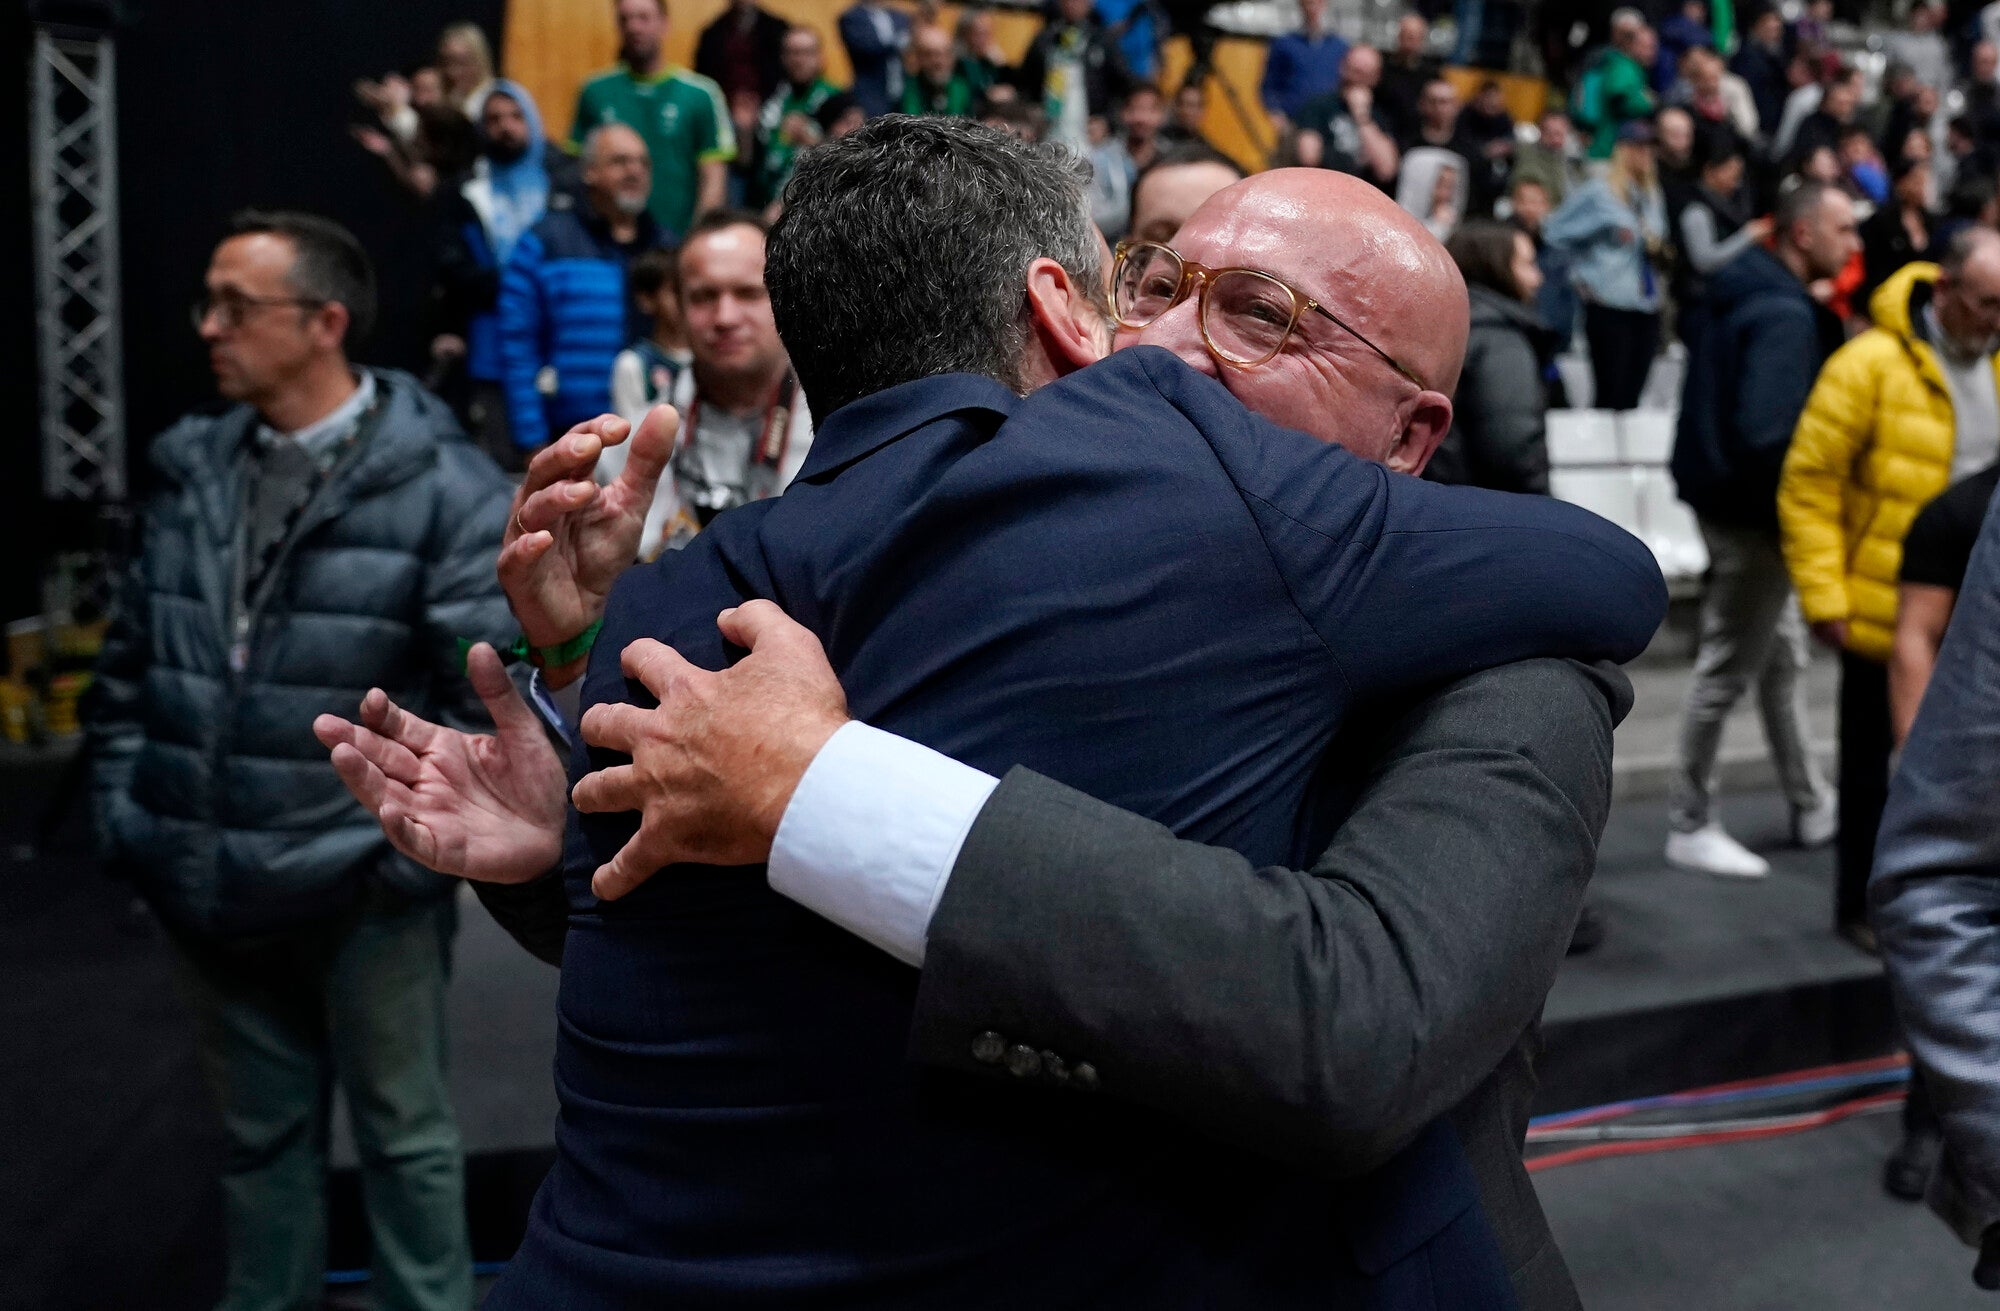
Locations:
column 1612, row 228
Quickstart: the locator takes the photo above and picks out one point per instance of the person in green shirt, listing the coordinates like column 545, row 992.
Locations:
column 939, row 87
column 1614, row 88
column 786, row 124
column 680, row 114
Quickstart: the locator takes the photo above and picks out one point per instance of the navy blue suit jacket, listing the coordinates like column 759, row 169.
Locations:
column 1126, row 582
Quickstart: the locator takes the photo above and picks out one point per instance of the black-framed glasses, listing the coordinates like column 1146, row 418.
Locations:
column 1246, row 315
column 232, row 307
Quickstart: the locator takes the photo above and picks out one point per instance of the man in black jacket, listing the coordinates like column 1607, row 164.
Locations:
column 1755, row 343
column 331, row 532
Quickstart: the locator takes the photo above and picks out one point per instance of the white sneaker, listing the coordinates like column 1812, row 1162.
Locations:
column 1818, row 826
column 1709, row 850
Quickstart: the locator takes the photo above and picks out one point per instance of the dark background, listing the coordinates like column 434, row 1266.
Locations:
column 222, row 104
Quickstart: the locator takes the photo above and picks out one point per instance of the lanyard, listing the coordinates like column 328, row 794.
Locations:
column 243, row 607
column 773, row 440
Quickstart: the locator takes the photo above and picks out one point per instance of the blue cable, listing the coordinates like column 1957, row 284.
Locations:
column 1828, row 1084
column 361, row 1276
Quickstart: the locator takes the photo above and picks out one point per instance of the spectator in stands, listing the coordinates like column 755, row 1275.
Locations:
column 1897, row 414
column 644, row 373
column 1981, row 91
column 1612, row 228
column 1117, row 161
column 1174, row 186
column 1684, row 29
column 745, row 429
column 1407, row 69
column 742, row 52
column 1301, row 66
column 1715, row 95
column 681, row 116
column 1714, row 225
column 330, row 532
column 981, row 59
column 1132, row 25
column 1552, row 161
column 1497, row 436
column 1345, row 129
column 1808, row 74
column 1441, row 126
column 1921, row 46
column 1007, row 114
column 841, row 115
column 1614, row 88
column 1756, row 340
column 1434, row 188
column 935, row 85
column 1822, row 128
column 876, row 36
column 785, row 125
column 1187, row 116
column 1074, row 69
column 564, row 313
column 422, row 139
column 1862, row 166
column 1556, row 303
column 465, row 62
column 483, row 219
column 1900, row 231
column 1489, row 124
column 1761, row 64
column 1674, row 155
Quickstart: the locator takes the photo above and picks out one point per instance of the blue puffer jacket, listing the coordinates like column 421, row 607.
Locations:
column 212, row 794
column 563, row 306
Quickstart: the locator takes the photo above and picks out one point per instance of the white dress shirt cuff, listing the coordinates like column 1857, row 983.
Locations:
column 871, row 834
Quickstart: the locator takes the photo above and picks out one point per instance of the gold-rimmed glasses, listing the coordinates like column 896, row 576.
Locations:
column 1246, row 315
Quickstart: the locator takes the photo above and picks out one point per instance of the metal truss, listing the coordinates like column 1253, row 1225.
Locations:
column 75, row 192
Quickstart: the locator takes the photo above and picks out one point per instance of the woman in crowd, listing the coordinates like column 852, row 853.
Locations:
column 1497, row 438
column 1612, row 228
column 1899, row 231
column 1715, row 226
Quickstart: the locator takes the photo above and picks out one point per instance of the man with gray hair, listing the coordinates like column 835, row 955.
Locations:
column 564, row 311
column 1016, row 580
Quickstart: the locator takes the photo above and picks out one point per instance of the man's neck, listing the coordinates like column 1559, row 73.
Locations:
column 322, row 390
column 1794, row 259
column 736, row 392
column 649, row 67
column 624, row 227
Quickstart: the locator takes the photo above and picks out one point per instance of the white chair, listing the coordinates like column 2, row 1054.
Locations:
column 1610, row 493
column 1670, row 527
column 1646, row 436
column 1582, row 437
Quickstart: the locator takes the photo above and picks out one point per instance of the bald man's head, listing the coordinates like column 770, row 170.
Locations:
column 1343, row 244
column 1968, row 289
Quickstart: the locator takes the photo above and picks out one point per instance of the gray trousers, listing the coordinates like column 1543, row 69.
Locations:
column 1750, row 628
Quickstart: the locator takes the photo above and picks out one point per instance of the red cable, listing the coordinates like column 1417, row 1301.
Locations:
column 1794, row 1124
column 1591, row 1115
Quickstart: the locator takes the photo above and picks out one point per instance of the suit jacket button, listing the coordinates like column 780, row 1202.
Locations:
column 1023, row 1061
column 988, row 1048
column 1055, row 1067
column 1084, row 1074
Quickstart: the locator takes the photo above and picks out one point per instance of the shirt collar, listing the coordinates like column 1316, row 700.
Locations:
column 321, row 438
column 862, row 427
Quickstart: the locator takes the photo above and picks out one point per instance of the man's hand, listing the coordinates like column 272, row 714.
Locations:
column 715, row 765
column 479, row 807
column 568, row 539
column 1831, row 632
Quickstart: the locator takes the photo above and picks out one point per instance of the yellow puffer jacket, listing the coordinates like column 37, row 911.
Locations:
column 1872, row 448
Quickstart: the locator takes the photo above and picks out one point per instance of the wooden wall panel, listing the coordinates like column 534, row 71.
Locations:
column 553, row 45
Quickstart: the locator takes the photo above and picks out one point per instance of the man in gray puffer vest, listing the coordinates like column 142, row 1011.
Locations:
column 332, row 532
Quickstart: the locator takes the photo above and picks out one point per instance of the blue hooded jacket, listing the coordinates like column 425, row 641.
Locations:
column 501, row 202
column 1755, row 343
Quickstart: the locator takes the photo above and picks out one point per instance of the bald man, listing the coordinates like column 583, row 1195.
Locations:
column 1367, row 1022
column 1174, row 186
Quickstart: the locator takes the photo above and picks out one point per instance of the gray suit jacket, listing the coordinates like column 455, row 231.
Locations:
column 1324, row 1016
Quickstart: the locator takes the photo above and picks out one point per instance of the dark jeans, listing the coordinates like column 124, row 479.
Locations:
column 1622, row 346
column 1865, row 743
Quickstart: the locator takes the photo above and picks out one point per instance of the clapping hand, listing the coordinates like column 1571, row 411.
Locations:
column 483, row 807
column 568, row 539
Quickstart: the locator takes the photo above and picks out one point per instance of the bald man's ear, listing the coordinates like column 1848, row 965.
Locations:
column 1071, row 326
column 1426, row 418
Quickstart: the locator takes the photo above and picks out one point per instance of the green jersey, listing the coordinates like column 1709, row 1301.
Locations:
column 685, row 123
column 774, row 153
